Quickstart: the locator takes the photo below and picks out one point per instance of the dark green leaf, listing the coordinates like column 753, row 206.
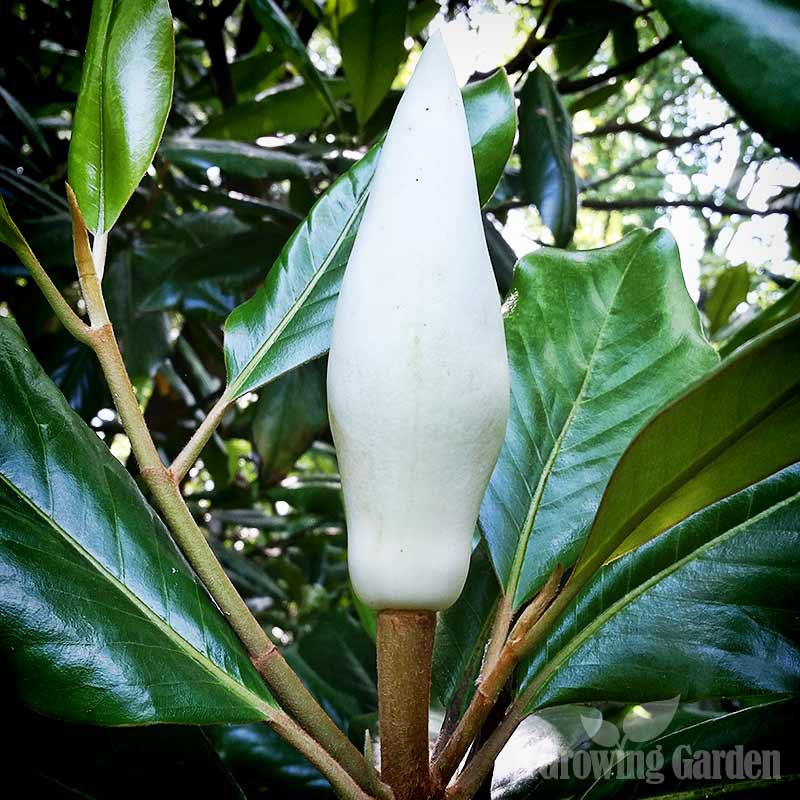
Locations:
column 597, row 341
column 76, row 372
column 290, row 413
column 251, row 73
column 781, row 310
column 595, row 97
column 462, row 631
column 730, row 289
column 202, row 267
column 625, row 40
column 26, row 120
column 285, row 40
column 55, row 759
column 579, row 29
column 125, row 95
column 144, row 335
column 352, row 671
column 732, row 428
column 750, row 51
column 288, row 320
column 238, row 158
column 296, row 109
column 259, row 758
column 102, row 620
column 371, row 38
column 545, row 150
column 502, row 256
column 693, row 613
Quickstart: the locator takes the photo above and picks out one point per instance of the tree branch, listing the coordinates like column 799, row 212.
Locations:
column 653, row 135
column 285, row 684
column 654, row 202
column 566, row 86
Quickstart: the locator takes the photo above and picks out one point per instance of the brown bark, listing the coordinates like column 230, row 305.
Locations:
column 405, row 649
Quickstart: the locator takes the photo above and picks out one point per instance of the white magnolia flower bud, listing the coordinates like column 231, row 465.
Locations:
column 418, row 381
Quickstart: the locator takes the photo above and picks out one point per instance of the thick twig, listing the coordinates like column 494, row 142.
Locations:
column 726, row 209
column 405, row 649
column 66, row 316
column 567, row 86
column 286, row 686
column 185, row 459
column 493, row 681
column 342, row 783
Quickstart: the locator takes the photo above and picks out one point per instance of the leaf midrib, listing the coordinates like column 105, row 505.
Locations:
column 527, row 528
column 683, row 478
column 548, row 671
column 237, row 689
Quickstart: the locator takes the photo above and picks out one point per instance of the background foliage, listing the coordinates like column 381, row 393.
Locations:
column 618, row 127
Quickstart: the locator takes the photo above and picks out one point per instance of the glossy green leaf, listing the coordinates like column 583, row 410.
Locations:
column 781, row 310
column 62, row 761
column 288, row 321
column 251, row 74
column 730, row 289
column 208, row 260
column 259, row 758
column 462, row 631
column 750, row 51
column 597, row 342
column 732, row 428
column 694, row 613
column 545, row 150
column 98, row 603
column 578, row 29
column 290, row 413
column 371, row 37
column 285, row 40
column 353, row 672
column 296, row 109
column 238, row 158
column 625, row 40
column 125, row 95
column 502, row 256
column 766, row 726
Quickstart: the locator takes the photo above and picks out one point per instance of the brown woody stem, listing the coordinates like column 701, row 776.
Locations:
column 405, row 650
column 167, row 496
column 492, row 682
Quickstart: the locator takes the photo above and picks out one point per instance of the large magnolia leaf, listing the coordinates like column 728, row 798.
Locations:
column 749, row 50
column 101, row 619
column 125, row 95
column 707, row 609
column 597, row 341
column 371, row 37
column 288, row 321
column 545, row 151
column 733, row 428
